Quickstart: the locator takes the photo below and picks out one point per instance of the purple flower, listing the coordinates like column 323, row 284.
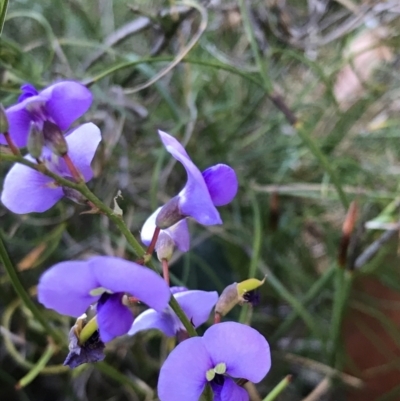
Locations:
column 216, row 186
column 227, row 350
column 26, row 190
column 176, row 235
column 196, row 304
column 71, row 287
column 61, row 104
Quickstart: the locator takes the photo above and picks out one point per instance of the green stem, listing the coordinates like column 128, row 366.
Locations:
column 277, row 390
column 38, row 367
column 173, row 303
column 343, row 281
column 23, row 294
column 310, row 296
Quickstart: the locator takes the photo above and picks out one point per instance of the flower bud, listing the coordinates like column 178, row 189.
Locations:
column 164, row 247
column 54, row 138
column 236, row 293
column 3, row 119
column 169, row 214
column 35, row 141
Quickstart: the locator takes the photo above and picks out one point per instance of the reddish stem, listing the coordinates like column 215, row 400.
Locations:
column 153, row 242
column 11, row 144
column 165, row 270
column 72, row 168
column 217, row 318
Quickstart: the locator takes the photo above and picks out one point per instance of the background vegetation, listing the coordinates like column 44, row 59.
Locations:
column 301, row 98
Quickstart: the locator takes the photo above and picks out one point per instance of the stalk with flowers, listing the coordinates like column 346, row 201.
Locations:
column 101, row 290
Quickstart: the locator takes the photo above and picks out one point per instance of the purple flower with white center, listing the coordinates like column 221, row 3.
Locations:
column 176, row 235
column 26, row 190
column 61, row 104
column 196, row 304
column 71, row 287
column 226, row 351
column 216, row 186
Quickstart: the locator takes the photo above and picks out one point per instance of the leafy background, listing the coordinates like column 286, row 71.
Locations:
column 301, row 98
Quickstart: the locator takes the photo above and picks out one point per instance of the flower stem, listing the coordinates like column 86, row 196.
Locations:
column 173, row 303
column 23, row 294
column 277, row 390
column 11, row 144
column 72, row 168
column 165, row 270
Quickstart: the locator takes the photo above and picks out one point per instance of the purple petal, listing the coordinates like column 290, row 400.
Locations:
column 183, row 375
column 175, row 290
column 82, row 145
column 119, row 275
column 195, row 200
column 197, row 304
column 19, row 122
column 27, row 90
column 66, row 287
column 26, row 190
column 151, row 319
column 179, row 232
column 66, row 102
column 244, row 350
column 222, row 183
column 229, row 391
column 114, row 318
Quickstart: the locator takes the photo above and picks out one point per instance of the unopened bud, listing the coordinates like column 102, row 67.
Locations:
column 54, row 138
column 235, row 294
column 169, row 214
column 165, row 247
column 35, row 141
column 3, row 119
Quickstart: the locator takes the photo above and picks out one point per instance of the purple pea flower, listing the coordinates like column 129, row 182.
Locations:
column 216, row 186
column 225, row 351
column 71, row 287
column 61, row 104
column 196, row 304
column 176, row 235
column 26, row 190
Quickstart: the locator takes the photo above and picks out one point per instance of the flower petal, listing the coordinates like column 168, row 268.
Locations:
column 151, row 319
column 19, row 122
column 197, row 304
column 243, row 349
column 66, row 286
column 28, row 90
column 179, row 232
column 230, row 391
column 114, row 318
column 66, row 102
column 82, row 145
column 183, row 375
column 26, row 190
column 222, row 183
column 195, row 200
column 119, row 275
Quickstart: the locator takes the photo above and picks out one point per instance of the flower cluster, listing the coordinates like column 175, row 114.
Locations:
column 110, row 288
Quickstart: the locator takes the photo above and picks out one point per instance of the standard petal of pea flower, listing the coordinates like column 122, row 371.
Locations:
column 216, row 186
column 60, row 104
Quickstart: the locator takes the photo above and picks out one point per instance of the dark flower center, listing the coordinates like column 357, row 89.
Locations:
column 218, row 380
column 252, row 297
